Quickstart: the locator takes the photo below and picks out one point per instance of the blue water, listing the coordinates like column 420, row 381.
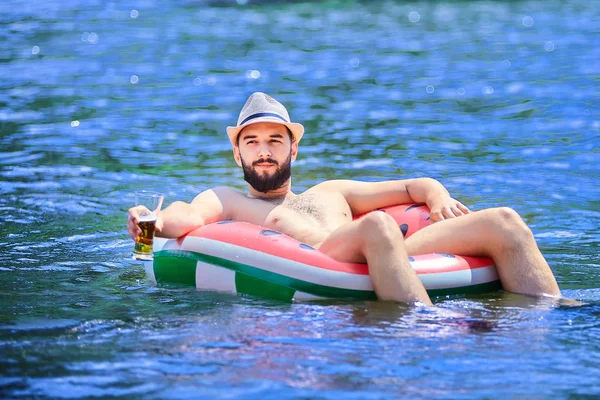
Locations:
column 497, row 100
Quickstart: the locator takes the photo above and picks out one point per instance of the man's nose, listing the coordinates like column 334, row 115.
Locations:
column 264, row 151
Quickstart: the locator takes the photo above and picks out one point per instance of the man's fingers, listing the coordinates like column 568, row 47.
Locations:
column 134, row 215
column 463, row 208
column 447, row 212
column 457, row 211
column 132, row 223
column 133, row 230
column 436, row 216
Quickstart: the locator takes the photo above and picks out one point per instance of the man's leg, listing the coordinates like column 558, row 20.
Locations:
column 498, row 233
column 376, row 240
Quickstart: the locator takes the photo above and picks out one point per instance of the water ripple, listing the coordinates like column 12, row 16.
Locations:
column 105, row 98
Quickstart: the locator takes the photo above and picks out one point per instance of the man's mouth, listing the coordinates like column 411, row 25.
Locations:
column 264, row 163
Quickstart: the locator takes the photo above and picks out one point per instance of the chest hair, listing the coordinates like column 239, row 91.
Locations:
column 305, row 204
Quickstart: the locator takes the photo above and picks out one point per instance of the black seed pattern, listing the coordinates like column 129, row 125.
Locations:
column 404, row 229
column 268, row 232
column 413, row 206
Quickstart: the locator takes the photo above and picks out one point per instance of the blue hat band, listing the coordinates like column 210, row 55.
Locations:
column 258, row 115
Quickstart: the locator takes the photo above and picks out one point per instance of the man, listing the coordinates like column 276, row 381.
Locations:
column 265, row 142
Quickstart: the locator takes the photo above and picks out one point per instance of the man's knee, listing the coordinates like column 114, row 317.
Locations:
column 509, row 224
column 380, row 227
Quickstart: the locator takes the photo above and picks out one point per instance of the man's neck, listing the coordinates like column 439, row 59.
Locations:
column 284, row 191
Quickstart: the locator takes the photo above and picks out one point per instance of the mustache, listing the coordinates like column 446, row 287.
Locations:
column 264, row 160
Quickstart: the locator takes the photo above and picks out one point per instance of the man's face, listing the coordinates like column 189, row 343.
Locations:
column 265, row 152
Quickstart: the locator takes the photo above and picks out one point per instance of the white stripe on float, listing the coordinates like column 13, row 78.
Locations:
column 468, row 277
column 278, row 265
column 149, row 268
column 303, row 296
column 485, row 274
column 159, row 243
column 212, row 277
column 304, row 272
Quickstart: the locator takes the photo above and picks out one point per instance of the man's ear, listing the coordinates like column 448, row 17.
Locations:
column 236, row 155
column 294, row 150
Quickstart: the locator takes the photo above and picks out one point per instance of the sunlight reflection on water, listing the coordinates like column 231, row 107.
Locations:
column 99, row 99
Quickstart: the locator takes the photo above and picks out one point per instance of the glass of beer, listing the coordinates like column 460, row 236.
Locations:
column 148, row 204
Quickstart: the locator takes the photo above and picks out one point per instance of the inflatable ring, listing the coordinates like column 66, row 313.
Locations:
column 239, row 257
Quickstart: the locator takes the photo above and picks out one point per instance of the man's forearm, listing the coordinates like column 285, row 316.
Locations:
column 178, row 219
column 426, row 190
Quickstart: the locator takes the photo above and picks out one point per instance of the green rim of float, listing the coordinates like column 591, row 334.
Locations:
column 242, row 258
column 179, row 267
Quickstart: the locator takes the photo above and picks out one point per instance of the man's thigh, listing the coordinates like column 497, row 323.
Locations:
column 345, row 244
column 467, row 235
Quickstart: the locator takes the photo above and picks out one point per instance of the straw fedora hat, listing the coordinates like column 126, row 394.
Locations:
column 261, row 107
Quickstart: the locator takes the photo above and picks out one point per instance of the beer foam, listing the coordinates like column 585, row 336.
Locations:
column 148, row 217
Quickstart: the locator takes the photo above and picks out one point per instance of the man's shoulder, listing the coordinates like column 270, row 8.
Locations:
column 222, row 193
column 227, row 192
column 333, row 185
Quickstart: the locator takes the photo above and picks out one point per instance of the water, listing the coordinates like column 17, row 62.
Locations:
column 498, row 100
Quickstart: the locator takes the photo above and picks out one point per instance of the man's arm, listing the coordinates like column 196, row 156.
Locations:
column 181, row 217
column 368, row 196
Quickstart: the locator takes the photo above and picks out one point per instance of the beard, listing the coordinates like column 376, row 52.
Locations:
column 264, row 182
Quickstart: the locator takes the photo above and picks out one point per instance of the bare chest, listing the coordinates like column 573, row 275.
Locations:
column 306, row 205
column 310, row 217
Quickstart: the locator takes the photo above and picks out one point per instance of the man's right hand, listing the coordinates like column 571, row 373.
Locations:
column 134, row 219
